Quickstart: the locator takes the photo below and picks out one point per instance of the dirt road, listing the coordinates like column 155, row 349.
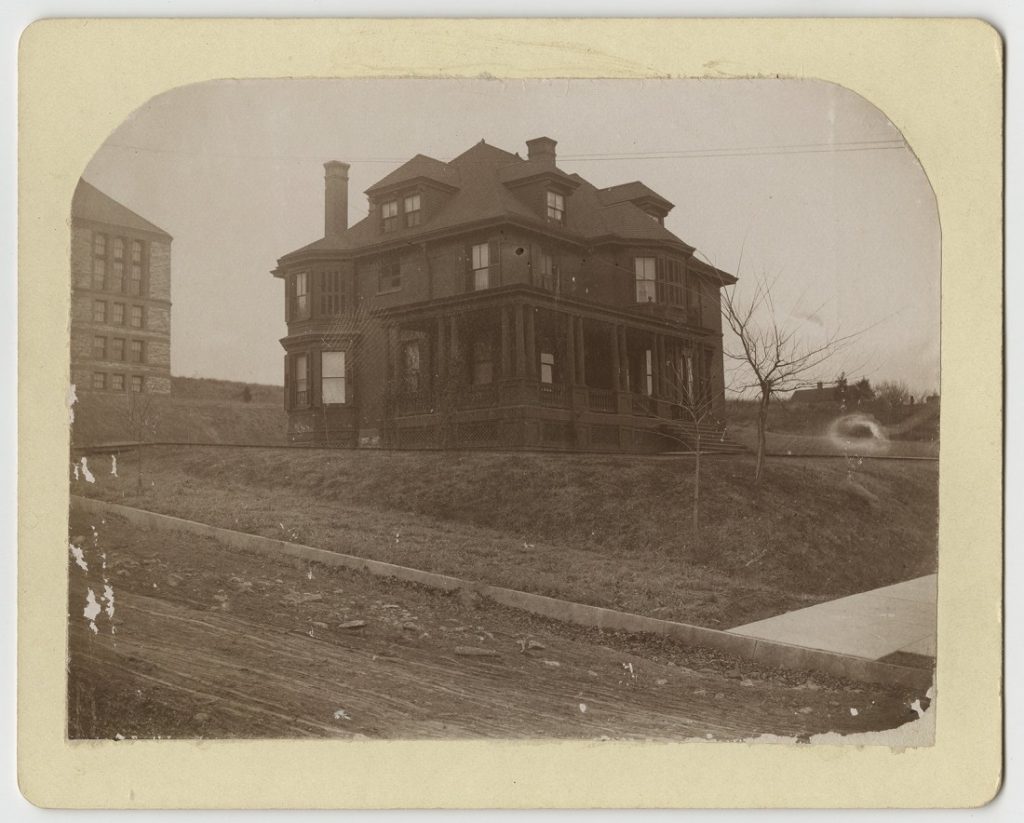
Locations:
column 171, row 636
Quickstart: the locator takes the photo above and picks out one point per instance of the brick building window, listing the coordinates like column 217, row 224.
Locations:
column 99, row 348
column 138, row 383
column 117, row 382
column 136, row 275
column 99, row 311
column 390, row 278
column 136, row 318
column 389, row 215
column 99, row 261
column 648, row 372
column 332, row 298
column 136, row 351
column 556, row 207
column 99, row 380
column 645, row 269
column 332, row 377
column 116, row 280
column 412, row 210
column 117, row 314
column 117, row 349
column 301, row 372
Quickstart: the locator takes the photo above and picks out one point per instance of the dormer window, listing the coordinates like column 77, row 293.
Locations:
column 412, row 210
column 556, row 206
column 389, row 214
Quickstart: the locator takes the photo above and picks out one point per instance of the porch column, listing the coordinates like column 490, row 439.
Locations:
column 623, row 359
column 440, row 360
column 581, row 356
column 662, row 378
column 520, row 342
column 393, row 355
column 616, row 359
column 656, row 365
column 453, row 348
column 531, row 344
column 506, row 345
column 570, row 350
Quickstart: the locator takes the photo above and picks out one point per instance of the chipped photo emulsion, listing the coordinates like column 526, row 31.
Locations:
column 397, row 403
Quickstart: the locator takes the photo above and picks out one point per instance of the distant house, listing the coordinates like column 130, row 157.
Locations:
column 497, row 301
column 120, row 297
column 839, row 393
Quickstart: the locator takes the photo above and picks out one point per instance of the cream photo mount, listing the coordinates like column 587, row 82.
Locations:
column 939, row 81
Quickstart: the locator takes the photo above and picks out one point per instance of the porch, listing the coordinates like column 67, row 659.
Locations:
column 525, row 369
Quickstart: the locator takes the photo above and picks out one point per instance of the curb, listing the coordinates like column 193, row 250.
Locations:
column 765, row 652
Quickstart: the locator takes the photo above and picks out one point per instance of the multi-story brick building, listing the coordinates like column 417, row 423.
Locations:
column 498, row 301
column 120, row 297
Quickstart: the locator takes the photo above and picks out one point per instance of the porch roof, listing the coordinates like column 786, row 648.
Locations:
column 535, row 297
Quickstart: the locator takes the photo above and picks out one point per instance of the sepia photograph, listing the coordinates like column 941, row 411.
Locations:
column 446, row 409
column 509, row 413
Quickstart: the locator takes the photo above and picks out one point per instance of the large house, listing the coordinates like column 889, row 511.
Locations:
column 499, row 301
column 120, row 297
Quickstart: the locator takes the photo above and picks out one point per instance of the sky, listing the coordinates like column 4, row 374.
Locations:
column 803, row 183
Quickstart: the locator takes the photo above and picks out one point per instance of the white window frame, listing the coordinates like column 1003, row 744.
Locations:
column 333, row 388
column 412, row 206
column 556, row 206
column 302, row 302
column 547, row 367
column 645, row 270
column 300, row 372
column 481, row 263
column 389, row 215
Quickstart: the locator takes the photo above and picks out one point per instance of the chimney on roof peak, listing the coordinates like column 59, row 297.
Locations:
column 335, row 198
column 541, row 149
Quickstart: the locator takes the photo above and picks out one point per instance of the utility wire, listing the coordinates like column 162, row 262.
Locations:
column 680, row 154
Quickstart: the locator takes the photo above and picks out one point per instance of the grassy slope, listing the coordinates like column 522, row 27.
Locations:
column 609, row 530
column 198, row 410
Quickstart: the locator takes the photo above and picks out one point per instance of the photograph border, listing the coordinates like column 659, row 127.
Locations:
column 938, row 81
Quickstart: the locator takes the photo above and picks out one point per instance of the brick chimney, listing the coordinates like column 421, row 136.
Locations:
column 335, row 198
column 541, row 149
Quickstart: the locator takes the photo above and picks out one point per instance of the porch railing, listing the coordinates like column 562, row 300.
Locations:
column 553, row 394
column 602, row 400
column 476, row 397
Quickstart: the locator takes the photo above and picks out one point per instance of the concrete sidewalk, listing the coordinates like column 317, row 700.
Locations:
column 892, row 622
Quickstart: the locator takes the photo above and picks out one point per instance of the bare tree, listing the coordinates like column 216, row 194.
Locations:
column 892, row 392
column 773, row 358
column 695, row 407
column 141, row 421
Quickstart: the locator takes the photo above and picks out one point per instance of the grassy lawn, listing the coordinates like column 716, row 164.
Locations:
column 602, row 529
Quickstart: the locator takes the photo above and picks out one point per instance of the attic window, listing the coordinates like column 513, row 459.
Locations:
column 556, row 206
column 412, row 210
column 389, row 213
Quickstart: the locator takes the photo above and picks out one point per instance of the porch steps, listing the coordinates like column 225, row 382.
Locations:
column 713, row 439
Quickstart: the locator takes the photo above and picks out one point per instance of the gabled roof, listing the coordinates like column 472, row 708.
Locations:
column 631, row 192
column 89, row 203
column 525, row 169
column 481, row 178
column 419, row 166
